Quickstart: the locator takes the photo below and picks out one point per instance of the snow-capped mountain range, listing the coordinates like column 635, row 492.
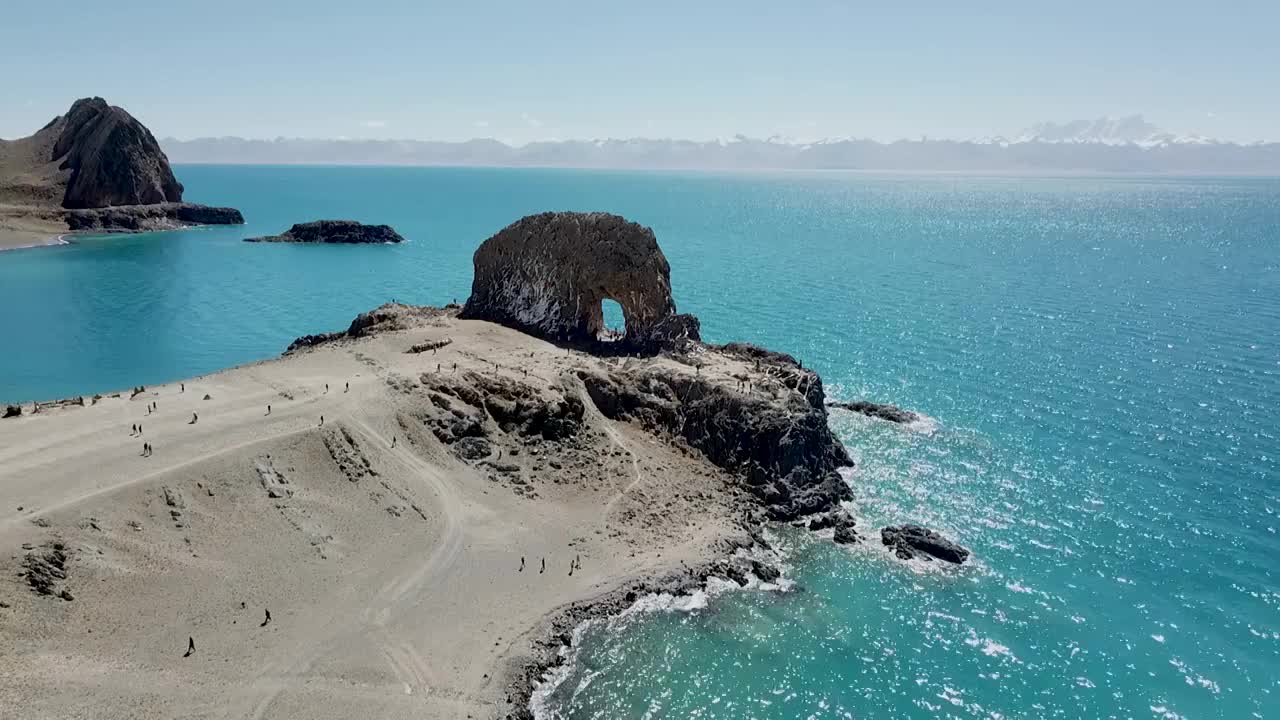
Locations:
column 1127, row 144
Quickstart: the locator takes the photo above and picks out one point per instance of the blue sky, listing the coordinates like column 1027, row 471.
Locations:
column 521, row 70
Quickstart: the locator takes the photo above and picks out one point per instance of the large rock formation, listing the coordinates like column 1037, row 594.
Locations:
column 98, row 156
column 548, row 275
column 334, row 231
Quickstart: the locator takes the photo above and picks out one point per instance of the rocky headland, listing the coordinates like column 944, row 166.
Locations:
column 429, row 501
column 346, row 232
column 93, row 168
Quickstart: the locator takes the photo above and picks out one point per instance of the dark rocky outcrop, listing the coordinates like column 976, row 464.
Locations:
column 892, row 413
column 347, row 232
column 112, row 159
column 781, row 447
column 385, row 318
column 45, row 569
column 97, row 156
column 882, row 411
column 911, row 541
column 548, row 274
column 146, row 218
column 12, row 411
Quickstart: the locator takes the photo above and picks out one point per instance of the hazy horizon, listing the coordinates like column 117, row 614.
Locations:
column 564, row 69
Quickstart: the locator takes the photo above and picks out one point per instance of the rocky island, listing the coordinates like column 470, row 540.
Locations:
column 334, row 231
column 94, row 168
column 429, row 501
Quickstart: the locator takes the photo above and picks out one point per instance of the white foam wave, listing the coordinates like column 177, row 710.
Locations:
column 540, row 699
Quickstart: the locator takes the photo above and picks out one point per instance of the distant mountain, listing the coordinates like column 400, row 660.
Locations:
column 1131, row 130
column 1124, row 145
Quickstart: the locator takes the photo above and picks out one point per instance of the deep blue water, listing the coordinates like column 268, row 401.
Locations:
column 1099, row 357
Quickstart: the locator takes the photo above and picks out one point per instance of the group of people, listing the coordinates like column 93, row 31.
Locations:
column 574, row 564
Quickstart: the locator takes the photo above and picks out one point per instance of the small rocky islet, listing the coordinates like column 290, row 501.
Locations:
column 333, row 232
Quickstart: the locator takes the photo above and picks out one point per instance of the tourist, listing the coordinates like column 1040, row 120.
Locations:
column 268, row 409
column 348, row 389
column 544, row 566
column 521, row 564
column 266, row 620
column 321, row 421
column 191, row 646
column 194, row 419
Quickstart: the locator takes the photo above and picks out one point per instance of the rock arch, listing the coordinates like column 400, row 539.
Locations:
column 548, row 274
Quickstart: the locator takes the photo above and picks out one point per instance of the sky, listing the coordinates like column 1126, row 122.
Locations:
column 524, row 70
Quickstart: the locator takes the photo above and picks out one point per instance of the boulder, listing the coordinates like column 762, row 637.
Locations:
column 548, row 275
column 12, row 411
column 347, row 232
column 909, row 541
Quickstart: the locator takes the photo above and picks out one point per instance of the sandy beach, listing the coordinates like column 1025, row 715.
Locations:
column 389, row 560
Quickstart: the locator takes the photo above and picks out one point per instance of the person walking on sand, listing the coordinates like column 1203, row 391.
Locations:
column 326, row 387
column 393, row 441
column 266, row 620
column 544, row 566
column 184, row 387
column 521, row 564
column 268, row 409
column 194, row 419
column 570, row 568
column 321, row 421
column 348, row 388
column 191, row 646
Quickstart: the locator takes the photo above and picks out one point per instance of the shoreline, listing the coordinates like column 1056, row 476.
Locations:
column 618, row 497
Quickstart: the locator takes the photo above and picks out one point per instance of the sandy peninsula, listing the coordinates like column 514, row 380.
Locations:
column 388, row 558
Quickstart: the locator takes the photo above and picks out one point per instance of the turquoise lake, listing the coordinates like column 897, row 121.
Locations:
column 1099, row 358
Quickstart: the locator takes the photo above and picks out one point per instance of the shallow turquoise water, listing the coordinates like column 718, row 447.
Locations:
column 1099, row 356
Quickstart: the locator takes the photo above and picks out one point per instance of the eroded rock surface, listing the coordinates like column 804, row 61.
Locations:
column 347, row 232
column 548, row 275
column 45, row 569
column 911, row 541
column 779, row 445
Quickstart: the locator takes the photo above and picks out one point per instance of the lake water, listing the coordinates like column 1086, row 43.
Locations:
column 1100, row 358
